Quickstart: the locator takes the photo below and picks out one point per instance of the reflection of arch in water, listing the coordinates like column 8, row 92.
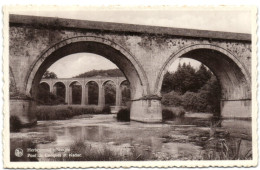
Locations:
column 109, row 92
column 91, row 93
column 75, row 92
column 59, row 89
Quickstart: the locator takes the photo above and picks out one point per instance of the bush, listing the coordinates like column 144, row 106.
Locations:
column 15, row 124
column 172, row 112
column 106, row 110
column 102, row 153
column 172, row 99
column 91, row 110
column 123, row 115
column 62, row 113
column 181, row 113
column 167, row 114
column 190, row 101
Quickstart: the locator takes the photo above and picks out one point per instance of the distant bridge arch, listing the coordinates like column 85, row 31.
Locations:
column 100, row 81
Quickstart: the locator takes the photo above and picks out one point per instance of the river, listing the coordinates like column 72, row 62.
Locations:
column 194, row 137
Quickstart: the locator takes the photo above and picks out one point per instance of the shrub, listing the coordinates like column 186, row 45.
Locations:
column 190, row 101
column 123, row 115
column 62, row 112
column 167, row 114
column 181, row 113
column 172, row 112
column 106, row 110
column 15, row 124
column 91, row 110
column 102, row 153
column 172, row 99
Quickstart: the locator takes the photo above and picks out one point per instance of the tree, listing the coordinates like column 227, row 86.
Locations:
column 167, row 83
column 49, row 75
column 110, row 93
column 194, row 90
column 203, row 75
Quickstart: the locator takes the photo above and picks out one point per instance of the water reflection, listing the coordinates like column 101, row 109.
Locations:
column 183, row 138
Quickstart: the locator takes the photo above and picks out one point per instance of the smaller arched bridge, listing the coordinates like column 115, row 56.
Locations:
column 84, row 82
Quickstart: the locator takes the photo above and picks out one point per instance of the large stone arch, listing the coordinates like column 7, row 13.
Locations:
column 126, row 62
column 234, row 78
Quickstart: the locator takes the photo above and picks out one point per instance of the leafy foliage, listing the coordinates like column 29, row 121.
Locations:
column 49, row 75
column 93, row 93
column 106, row 110
column 123, row 115
column 44, row 97
column 186, row 78
column 15, row 124
column 193, row 90
column 169, row 113
column 110, row 93
column 76, row 94
column 103, row 73
column 63, row 112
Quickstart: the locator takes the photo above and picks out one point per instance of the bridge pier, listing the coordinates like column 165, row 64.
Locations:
column 86, row 94
column 236, row 108
column 70, row 95
column 67, row 94
column 83, row 95
column 101, row 96
column 24, row 109
column 148, row 109
column 54, row 90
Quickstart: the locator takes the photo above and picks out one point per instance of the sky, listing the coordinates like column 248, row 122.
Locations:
column 216, row 20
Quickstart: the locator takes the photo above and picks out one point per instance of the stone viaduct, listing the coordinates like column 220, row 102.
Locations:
column 84, row 82
column 142, row 53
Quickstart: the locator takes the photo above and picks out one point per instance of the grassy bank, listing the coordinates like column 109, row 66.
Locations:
column 88, row 152
column 66, row 112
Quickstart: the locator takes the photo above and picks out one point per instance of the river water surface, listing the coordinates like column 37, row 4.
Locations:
column 181, row 139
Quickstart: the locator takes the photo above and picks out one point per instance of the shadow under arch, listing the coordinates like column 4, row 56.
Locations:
column 46, row 84
column 100, row 46
column 234, row 78
column 108, row 80
column 223, row 64
column 75, row 82
column 93, row 88
column 59, row 89
column 59, row 82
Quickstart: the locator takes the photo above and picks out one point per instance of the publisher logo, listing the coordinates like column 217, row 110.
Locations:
column 18, row 152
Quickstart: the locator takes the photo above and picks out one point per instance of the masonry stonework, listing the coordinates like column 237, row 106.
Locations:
column 143, row 53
